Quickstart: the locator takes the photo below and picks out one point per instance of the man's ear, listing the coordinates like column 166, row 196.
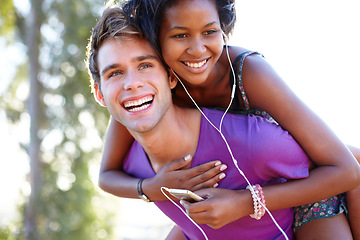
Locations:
column 173, row 81
column 98, row 95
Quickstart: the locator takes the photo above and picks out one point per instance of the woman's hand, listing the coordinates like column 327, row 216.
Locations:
column 220, row 207
column 178, row 175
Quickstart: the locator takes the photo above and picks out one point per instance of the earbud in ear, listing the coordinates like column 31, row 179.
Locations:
column 224, row 36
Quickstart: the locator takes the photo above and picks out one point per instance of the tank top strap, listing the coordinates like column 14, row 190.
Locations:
column 238, row 65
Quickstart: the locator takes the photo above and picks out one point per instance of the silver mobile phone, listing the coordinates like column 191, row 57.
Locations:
column 185, row 194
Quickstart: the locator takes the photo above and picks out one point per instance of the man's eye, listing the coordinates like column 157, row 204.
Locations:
column 145, row 66
column 113, row 74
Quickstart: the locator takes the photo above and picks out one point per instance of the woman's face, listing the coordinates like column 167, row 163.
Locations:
column 191, row 39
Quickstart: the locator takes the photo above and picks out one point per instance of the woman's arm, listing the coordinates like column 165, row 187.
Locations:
column 114, row 180
column 218, row 208
column 223, row 206
column 266, row 90
column 175, row 234
column 352, row 199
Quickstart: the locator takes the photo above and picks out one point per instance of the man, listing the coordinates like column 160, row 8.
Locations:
column 132, row 83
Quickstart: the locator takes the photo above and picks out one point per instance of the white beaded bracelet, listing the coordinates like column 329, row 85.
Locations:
column 257, row 195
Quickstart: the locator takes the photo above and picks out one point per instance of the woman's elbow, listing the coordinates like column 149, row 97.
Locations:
column 352, row 175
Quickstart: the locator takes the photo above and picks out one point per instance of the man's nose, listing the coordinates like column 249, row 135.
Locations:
column 132, row 81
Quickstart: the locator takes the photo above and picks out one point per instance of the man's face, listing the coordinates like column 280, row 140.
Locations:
column 134, row 83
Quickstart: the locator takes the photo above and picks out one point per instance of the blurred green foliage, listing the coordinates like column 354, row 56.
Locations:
column 69, row 205
column 7, row 17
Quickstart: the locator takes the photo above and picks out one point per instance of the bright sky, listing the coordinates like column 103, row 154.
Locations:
column 314, row 46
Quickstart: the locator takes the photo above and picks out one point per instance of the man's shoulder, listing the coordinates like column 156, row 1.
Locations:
column 136, row 153
column 217, row 113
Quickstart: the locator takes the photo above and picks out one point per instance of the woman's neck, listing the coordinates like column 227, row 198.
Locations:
column 214, row 92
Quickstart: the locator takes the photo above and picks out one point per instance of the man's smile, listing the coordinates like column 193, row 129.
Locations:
column 139, row 104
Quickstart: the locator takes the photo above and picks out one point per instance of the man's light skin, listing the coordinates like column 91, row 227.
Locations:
column 131, row 73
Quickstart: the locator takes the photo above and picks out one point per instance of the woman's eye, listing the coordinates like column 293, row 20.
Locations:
column 181, row 35
column 209, row 32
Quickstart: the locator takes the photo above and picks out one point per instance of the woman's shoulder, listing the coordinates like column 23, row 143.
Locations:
column 235, row 52
column 254, row 63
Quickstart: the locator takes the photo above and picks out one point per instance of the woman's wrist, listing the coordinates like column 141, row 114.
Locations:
column 259, row 202
column 246, row 202
column 150, row 190
column 140, row 191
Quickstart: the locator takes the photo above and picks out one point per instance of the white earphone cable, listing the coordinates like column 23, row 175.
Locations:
column 227, row 145
column 182, row 210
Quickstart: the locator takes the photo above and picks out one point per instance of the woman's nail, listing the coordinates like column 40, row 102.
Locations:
column 187, row 158
column 222, row 175
column 217, row 163
column 215, row 185
column 223, row 167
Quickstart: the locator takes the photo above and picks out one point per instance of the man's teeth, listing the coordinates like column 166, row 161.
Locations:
column 135, row 109
column 139, row 102
column 195, row 65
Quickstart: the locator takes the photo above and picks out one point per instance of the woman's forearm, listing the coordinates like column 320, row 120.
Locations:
column 112, row 179
column 323, row 182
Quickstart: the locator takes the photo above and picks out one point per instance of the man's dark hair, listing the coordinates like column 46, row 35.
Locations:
column 112, row 24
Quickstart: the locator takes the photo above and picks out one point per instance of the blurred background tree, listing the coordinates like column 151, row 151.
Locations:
column 66, row 124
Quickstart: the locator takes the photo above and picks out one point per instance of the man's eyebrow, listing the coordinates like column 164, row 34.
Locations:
column 136, row 59
column 184, row 28
column 107, row 68
column 145, row 57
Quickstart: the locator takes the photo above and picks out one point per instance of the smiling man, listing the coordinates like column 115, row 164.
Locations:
column 134, row 83
column 135, row 87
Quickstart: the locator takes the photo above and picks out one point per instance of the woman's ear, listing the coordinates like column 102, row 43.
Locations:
column 98, row 95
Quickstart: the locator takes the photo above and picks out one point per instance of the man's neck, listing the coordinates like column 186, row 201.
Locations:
column 173, row 138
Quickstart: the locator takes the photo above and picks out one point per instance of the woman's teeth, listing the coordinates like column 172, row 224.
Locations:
column 195, row 65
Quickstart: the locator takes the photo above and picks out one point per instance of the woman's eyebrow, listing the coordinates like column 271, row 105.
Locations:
column 184, row 28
